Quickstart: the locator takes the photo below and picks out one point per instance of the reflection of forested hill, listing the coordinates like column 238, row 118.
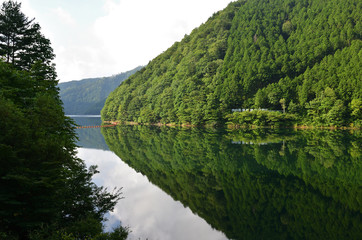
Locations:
column 330, row 162
column 90, row 137
column 290, row 189
column 327, row 160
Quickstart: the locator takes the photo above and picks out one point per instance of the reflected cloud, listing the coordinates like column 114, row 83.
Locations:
column 146, row 209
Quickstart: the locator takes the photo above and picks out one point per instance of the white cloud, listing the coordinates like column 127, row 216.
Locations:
column 64, row 16
column 94, row 41
column 135, row 31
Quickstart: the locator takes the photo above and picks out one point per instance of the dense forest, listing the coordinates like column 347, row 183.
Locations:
column 46, row 192
column 301, row 58
column 254, row 184
column 87, row 96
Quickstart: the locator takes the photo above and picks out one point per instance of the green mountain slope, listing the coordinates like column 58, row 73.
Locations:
column 87, row 96
column 301, row 56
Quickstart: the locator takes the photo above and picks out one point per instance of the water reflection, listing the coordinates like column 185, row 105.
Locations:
column 90, row 137
column 146, row 209
column 286, row 185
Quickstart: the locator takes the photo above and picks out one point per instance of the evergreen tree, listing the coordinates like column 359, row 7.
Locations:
column 45, row 189
column 23, row 45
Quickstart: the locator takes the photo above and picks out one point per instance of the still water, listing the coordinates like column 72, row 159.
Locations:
column 213, row 184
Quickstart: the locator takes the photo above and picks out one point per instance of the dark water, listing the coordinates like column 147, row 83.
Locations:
column 92, row 137
column 249, row 184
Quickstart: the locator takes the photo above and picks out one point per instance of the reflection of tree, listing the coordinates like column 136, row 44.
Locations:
column 326, row 160
column 261, row 136
column 275, row 191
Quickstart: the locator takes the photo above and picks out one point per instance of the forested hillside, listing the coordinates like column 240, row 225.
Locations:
column 88, row 96
column 303, row 57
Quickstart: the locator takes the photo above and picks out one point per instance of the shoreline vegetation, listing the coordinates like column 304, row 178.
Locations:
column 233, row 126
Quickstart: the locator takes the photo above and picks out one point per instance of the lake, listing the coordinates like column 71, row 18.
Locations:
column 194, row 183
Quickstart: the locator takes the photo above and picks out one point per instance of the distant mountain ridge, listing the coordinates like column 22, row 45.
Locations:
column 87, row 96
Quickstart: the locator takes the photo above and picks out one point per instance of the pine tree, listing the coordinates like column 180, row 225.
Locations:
column 44, row 188
column 22, row 44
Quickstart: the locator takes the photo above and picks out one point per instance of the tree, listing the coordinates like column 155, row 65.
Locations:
column 293, row 107
column 44, row 187
column 356, row 111
column 326, row 109
column 356, row 107
column 282, row 102
column 260, row 99
column 287, row 27
column 22, row 44
column 42, row 182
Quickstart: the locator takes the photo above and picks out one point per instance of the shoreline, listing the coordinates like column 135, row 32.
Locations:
column 302, row 127
column 234, row 127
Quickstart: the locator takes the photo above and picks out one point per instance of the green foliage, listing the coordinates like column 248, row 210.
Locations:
column 22, row 44
column 41, row 180
column 254, row 184
column 287, row 27
column 250, row 55
column 119, row 233
column 326, row 109
column 261, row 118
column 46, row 192
column 86, row 229
column 356, row 112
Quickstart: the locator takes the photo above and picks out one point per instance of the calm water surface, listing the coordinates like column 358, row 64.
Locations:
column 248, row 184
column 146, row 209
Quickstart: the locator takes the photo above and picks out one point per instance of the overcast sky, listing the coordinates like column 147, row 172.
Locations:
column 98, row 38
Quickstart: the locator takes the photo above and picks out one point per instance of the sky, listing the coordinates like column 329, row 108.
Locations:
column 101, row 38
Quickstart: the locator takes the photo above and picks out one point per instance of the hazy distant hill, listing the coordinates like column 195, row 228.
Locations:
column 87, row 96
